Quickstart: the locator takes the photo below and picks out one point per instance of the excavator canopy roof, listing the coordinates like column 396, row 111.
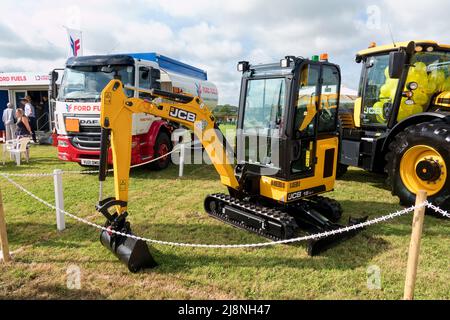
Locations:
column 391, row 47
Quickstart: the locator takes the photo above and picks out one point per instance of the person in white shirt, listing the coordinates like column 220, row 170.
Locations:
column 8, row 120
column 30, row 112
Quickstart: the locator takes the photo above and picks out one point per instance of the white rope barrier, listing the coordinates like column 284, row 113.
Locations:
column 437, row 209
column 177, row 148
column 253, row 245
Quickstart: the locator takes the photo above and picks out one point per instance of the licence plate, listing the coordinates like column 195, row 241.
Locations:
column 90, row 162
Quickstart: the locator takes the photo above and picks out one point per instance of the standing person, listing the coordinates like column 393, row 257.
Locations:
column 8, row 120
column 23, row 127
column 45, row 110
column 30, row 113
column 23, row 124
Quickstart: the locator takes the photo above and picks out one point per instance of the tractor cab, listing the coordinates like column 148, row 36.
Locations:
column 401, row 118
column 402, row 81
column 400, row 85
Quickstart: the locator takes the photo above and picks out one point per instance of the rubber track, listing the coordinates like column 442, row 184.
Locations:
column 285, row 220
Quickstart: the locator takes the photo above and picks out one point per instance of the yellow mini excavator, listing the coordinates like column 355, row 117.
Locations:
column 285, row 155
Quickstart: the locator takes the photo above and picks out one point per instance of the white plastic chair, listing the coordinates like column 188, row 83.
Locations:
column 16, row 148
column 7, row 146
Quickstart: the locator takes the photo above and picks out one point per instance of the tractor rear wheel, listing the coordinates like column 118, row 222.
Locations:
column 419, row 159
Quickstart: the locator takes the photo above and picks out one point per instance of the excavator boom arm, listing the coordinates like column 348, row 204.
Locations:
column 116, row 118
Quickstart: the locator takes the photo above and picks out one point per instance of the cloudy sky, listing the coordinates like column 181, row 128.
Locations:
column 213, row 34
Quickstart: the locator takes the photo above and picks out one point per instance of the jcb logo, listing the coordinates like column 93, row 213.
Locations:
column 294, row 196
column 182, row 114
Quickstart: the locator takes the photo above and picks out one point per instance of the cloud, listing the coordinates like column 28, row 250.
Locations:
column 13, row 46
column 215, row 35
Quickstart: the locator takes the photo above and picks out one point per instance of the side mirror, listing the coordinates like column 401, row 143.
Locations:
column 156, row 76
column 397, row 60
column 144, row 73
column 54, row 75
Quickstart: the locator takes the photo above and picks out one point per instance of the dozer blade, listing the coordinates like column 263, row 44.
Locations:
column 311, row 220
column 135, row 254
column 318, row 246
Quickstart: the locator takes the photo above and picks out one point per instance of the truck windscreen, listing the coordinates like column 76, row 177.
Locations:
column 87, row 83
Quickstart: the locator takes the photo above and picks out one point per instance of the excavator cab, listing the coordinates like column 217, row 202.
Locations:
column 288, row 122
column 285, row 154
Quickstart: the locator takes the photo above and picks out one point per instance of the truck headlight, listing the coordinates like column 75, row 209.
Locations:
column 62, row 143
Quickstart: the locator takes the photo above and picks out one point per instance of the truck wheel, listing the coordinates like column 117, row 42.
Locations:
column 162, row 146
column 418, row 159
column 341, row 170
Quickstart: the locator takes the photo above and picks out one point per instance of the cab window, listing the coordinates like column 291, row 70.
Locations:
column 306, row 107
column 328, row 99
column 379, row 91
column 144, row 81
column 305, row 118
column 264, row 106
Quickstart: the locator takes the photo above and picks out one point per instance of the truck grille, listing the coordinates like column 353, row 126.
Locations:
column 90, row 130
column 86, row 142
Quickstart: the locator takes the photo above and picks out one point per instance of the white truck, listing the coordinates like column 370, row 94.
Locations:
column 77, row 103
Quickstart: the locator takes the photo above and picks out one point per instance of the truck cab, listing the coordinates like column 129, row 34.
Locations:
column 77, row 103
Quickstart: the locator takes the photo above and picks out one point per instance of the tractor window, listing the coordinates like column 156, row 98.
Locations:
column 431, row 72
column 328, row 99
column 306, row 108
column 379, row 91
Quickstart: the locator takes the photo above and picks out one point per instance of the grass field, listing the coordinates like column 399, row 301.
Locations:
column 165, row 207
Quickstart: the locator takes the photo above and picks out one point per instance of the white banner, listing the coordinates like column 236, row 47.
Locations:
column 75, row 42
column 24, row 79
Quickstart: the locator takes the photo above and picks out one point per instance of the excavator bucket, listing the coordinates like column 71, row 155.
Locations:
column 135, row 254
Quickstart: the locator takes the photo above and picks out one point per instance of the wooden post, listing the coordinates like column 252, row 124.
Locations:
column 3, row 235
column 414, row 246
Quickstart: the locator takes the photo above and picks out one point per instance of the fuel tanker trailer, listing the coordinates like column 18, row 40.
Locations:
column 77, row 103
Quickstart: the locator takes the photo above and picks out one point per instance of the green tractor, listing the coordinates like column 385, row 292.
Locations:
column 401, row 120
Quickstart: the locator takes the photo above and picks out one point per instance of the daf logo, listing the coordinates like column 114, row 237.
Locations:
column 89, row 122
